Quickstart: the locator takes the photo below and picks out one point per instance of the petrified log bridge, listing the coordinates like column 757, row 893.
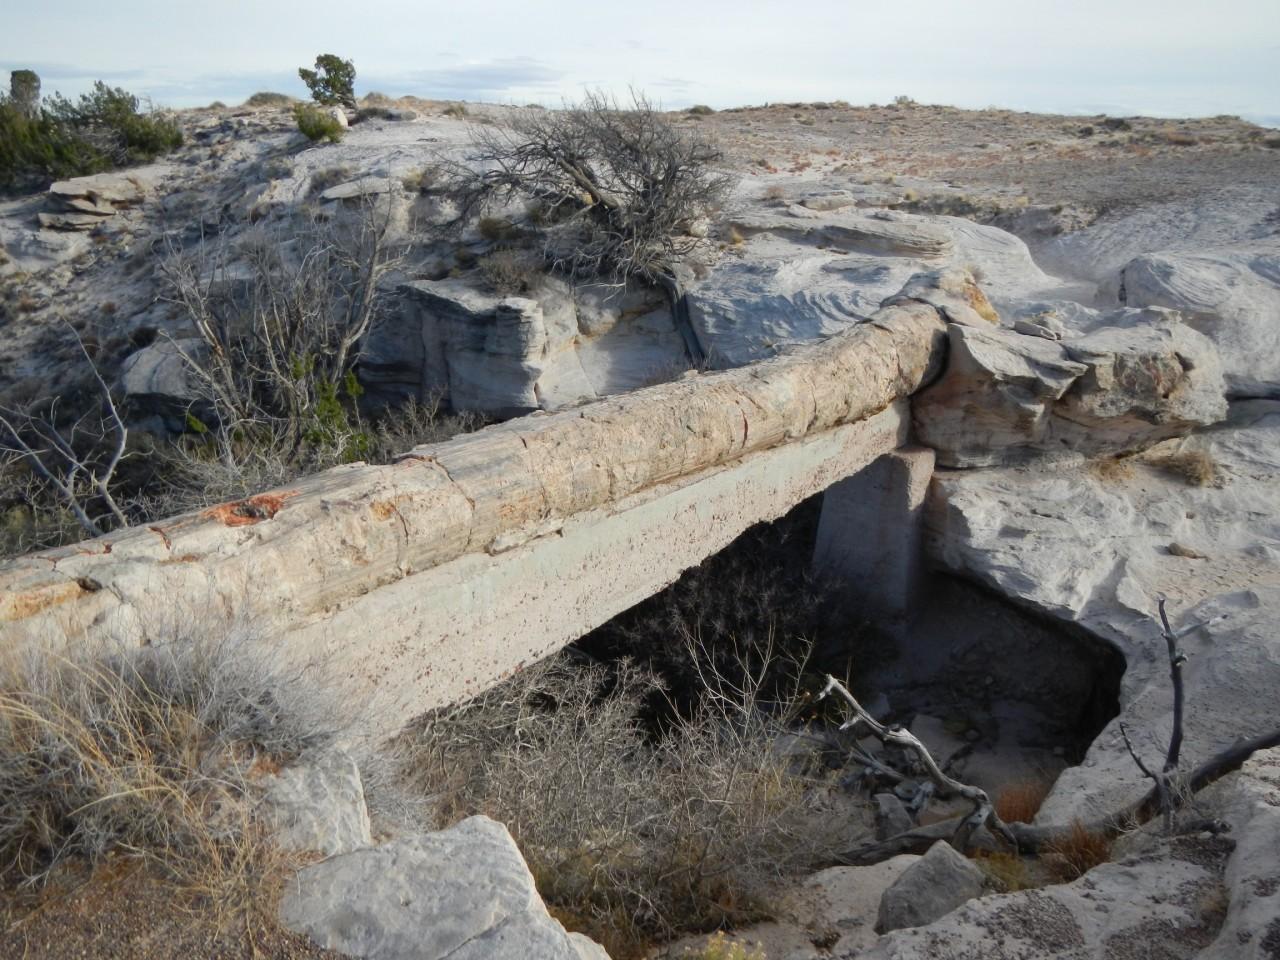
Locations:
column 405, row 586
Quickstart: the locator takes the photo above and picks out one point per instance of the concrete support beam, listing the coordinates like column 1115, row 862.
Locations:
column 871, row 533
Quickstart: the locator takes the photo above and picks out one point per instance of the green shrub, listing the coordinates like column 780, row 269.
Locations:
column 266, row 98
column 109, row 119
column 700, row 110
column 317, row 125
column 332, row 82
column 36, row 151
column 455, row 110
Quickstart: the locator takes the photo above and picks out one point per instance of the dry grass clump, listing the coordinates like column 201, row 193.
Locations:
column 1195, row 467
column 1019, row 802
column 148, row 754
column 1007, row 872
column 719, row 947
column 635, row 832
column 1112, row 470
column 421, row 180
column 1076, row 852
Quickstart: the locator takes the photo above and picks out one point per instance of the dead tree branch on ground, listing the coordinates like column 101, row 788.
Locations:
column 1162, row 799
column 983, row 815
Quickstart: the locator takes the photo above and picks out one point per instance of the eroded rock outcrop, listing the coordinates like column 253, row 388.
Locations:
column 85, row 202
column 157, row 382
column 1006, row 396
column 1146, row 905
column 1232, row 297
column 553, row 348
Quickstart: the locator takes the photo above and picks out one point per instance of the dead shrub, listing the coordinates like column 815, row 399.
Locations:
column 1076, row 852
column 328, row 177
column 634, row 833
column 419, row 181
column 399, row 430
column 1019, row 802
column 511, row 272
column 149, row 754
column 497, row 229
column 636, row 177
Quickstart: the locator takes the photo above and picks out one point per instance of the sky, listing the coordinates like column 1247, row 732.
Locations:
column 1121, row 57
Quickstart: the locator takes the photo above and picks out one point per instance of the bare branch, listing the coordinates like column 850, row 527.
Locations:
column 983, row 809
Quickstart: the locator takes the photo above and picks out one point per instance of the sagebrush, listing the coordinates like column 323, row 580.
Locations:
column 634, row 833
column 149, row 753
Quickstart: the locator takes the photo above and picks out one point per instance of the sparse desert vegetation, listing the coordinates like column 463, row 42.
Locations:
column 318, row 124
column 148, row 764
column 239, row 353
column 41, row 141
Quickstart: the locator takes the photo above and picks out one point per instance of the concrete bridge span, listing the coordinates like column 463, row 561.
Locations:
column 405, row 586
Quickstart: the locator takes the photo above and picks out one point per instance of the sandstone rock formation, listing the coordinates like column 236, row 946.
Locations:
column 840, row 905
column 1149, row 905
column 156, row 381
column 85, row 202
column 464, row 893
column 1006, row 396
column 1232, row 297
column 504, row 355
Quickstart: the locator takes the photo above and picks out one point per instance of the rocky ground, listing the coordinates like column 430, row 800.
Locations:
column 1080, row 508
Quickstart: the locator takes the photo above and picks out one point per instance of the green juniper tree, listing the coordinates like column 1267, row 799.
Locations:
column 332, row 82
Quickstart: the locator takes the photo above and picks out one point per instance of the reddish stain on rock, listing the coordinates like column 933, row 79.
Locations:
column 242, row 513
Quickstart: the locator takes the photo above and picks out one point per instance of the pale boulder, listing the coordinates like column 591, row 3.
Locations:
column 318, row 805
column 994, row 402
column 930, row 888
column 464, row 893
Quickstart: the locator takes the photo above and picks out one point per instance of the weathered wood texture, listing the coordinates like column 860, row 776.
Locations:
column 291, row 560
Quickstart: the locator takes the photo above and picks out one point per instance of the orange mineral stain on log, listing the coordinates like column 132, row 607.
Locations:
column 243, row 513
column 18, row 606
